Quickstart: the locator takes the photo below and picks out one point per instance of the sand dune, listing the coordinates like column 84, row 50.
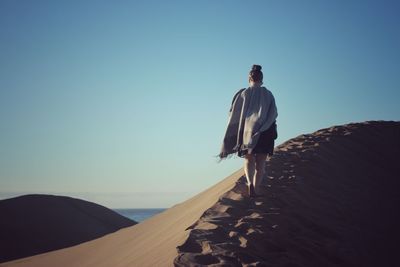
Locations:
column 330, row 199
column 150, row 243
column 33, row 224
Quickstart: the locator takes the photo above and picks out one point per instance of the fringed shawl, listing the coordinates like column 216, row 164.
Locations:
column 253, row 111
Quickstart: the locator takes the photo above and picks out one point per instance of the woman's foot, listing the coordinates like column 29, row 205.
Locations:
column 252, row 192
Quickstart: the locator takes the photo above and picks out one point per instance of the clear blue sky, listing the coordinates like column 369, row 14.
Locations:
column 125, row 103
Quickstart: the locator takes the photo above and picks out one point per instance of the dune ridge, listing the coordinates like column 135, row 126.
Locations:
column 330, row 198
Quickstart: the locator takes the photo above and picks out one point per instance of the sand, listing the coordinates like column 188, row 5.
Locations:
column 34, row 224
column 152, row 242
column 330, row 198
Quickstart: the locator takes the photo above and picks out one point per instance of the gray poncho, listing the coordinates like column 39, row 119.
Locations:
column 253, row 111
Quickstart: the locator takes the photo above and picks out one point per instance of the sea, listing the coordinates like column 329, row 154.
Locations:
column 138, row 215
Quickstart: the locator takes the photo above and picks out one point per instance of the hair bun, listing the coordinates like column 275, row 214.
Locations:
column 256, row 68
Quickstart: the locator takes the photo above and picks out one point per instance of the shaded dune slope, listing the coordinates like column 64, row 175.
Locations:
column 33, row 224
column 330, row 198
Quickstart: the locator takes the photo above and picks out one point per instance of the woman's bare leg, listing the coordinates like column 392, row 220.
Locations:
column 259, row 171
column 249, row 168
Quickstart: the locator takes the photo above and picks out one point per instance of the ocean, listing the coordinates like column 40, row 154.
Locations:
column 138, row 215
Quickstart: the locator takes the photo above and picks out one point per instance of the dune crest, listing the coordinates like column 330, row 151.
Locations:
column 330, row 198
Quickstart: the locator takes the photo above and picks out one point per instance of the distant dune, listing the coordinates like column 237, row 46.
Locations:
column 33, row 224
column 331, row 198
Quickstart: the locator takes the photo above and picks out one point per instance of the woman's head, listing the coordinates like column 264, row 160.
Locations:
column 255, row 74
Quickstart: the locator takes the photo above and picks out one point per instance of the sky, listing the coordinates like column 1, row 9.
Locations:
column 125, row 103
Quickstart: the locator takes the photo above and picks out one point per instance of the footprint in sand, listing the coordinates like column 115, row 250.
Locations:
column 243, row 242
column 254, row 232
column 206, row 247
column 242, row 227
column 254, row 215
column 233, row 234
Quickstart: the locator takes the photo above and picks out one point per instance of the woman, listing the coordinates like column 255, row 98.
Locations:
column 251, row 129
